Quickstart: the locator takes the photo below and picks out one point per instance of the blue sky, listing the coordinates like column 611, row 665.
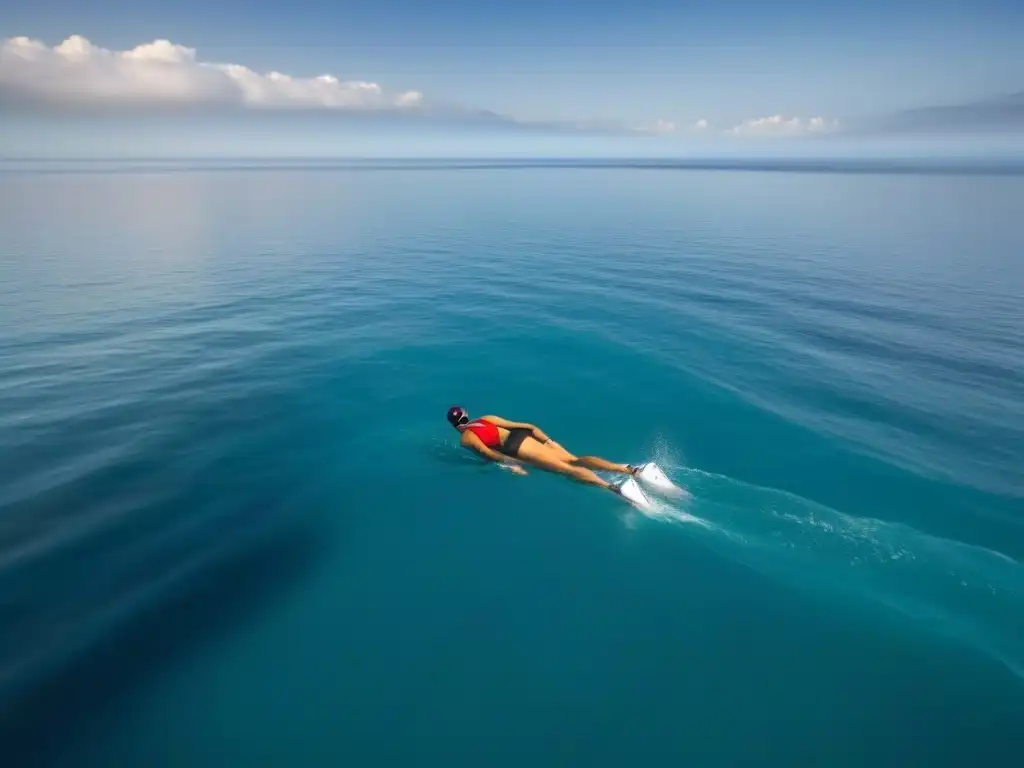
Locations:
column 753, row 68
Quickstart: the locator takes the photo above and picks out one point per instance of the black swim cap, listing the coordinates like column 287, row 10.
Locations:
column 455, row 414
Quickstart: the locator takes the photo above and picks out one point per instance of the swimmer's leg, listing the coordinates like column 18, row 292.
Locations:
column 590, row 462
column 596, row 462
column 542, row 457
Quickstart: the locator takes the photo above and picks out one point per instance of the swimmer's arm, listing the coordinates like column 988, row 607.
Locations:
column 474, row 443
column 538, row 433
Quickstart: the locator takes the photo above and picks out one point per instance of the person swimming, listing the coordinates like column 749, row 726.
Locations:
column 500, row 440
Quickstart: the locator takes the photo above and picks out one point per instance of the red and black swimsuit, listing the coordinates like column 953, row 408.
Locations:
column 491, row 437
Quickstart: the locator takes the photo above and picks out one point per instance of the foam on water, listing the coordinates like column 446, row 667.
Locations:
column 968, row 593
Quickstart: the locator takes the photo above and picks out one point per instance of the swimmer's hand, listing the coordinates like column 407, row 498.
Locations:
column 516, row 469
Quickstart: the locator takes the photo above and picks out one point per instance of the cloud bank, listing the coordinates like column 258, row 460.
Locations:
column 777, row 125
column 77, row 73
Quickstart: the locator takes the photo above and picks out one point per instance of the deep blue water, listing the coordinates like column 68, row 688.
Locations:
column 236, row 530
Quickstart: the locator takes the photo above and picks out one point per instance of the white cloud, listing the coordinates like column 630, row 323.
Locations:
column 659, row 128
column 701, row 125
column 409, row 99
column 821, row 125
column 76, row 72
column 777, row 125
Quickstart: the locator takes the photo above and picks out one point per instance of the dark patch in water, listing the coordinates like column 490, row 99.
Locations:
column 76, row 699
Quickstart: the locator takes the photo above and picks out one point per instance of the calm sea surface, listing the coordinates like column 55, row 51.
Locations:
column 236, row 530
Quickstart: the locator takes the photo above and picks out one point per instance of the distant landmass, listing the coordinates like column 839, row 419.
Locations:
column 998, row 114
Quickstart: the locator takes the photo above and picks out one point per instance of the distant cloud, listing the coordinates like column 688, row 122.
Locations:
column 777, row 125
column 161, row 73
column 701, row 125
column 658, row 128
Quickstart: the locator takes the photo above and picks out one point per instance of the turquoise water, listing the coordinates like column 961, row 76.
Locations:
column 235, row 528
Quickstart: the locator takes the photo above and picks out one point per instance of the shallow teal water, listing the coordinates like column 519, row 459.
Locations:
column 235, row 528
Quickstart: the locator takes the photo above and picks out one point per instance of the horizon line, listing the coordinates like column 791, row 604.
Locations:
column 995, row 165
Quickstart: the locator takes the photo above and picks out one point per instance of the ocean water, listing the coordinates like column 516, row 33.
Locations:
column 236, row 530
